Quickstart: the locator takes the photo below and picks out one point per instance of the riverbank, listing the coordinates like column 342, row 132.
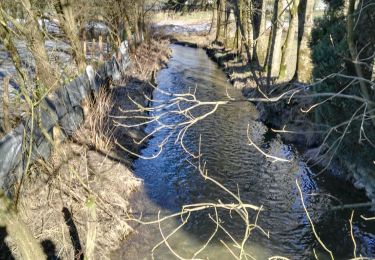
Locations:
column 294, row 126
column 187, row 30
column 78, row 201
column 301, row 130
column 171, row 181
column 283, row 117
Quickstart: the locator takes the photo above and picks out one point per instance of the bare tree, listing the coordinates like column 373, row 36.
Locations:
column 261, row 43
column 220, row 16
column 289, row 52
column 238, row 9
column 275, row 39
column 67, row 20
column 46, row 73
column 304, row 63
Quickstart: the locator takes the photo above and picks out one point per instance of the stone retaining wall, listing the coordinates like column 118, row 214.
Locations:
column 60, row 113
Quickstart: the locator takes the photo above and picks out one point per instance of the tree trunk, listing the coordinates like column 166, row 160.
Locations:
column 214, row 11
column 226, row 22
column 304, row 62
column 136, row 27
column 128, row 32
column 248, row 11
column 275, row 44
column 68, row 23
column 6, row 123
column 290, row 49
column 373, row 71
column 220, row 13
column 261, row 43
column 238, row 12
column 27, row 245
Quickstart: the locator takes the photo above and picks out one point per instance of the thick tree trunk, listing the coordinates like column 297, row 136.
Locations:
column 373, row 71
column 128, row 33
column 220, row 14
column 261, row 44
column 226, row 22
column 249, row 27
column 275, row 44
column 304, row 62
column 27, row 245
column 68, row 23
column 289, row 53
column 238, row 11
column 136, row 29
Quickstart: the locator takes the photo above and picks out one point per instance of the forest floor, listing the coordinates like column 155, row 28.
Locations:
column 89, row 179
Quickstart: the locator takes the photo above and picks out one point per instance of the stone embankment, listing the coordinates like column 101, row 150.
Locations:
column 78, row 188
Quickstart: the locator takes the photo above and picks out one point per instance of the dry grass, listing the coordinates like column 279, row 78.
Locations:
column 55, row 201
column 77, row 203
column 97, row 131
column 182, row 19
column 82, row 183
column 201, row 41
column 149, row 57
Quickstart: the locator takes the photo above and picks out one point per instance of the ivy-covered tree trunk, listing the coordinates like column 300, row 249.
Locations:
column 67, row 20
column 289, row 52
column 304, row 62
column 373, row 71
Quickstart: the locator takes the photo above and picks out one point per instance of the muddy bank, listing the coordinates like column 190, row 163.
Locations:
column 80, row 197
column 302, row 132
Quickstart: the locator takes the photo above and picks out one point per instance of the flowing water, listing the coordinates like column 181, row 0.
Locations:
column 171, row 180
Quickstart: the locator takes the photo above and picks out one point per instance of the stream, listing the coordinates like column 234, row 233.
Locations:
column 171, row 181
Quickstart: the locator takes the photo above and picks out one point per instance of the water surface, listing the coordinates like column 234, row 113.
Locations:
column 171, row 181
